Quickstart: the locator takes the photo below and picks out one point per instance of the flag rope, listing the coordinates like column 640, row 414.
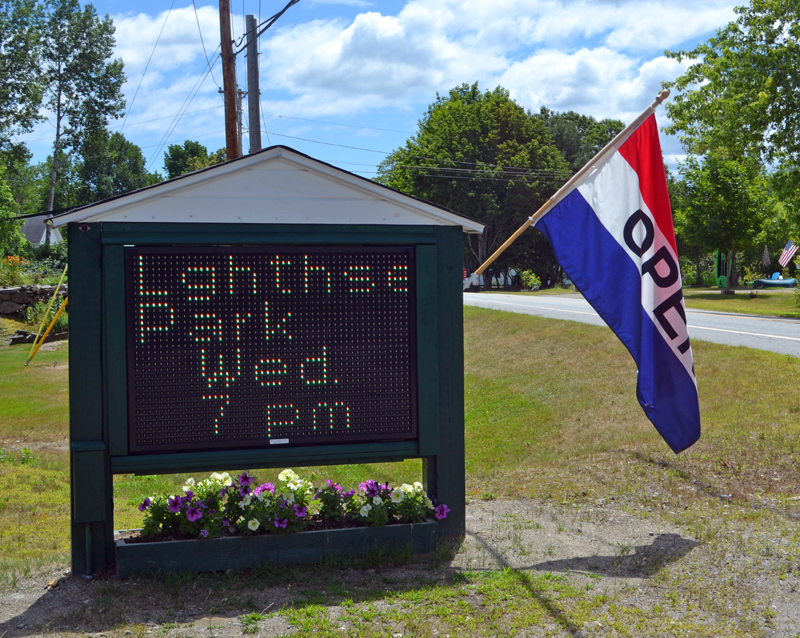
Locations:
column 562, row 192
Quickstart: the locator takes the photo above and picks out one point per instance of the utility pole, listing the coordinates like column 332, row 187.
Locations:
column 253, row 92
column 228, row 79
column 239, row 95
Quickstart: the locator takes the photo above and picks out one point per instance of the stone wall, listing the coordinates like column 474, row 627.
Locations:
column 12, row 300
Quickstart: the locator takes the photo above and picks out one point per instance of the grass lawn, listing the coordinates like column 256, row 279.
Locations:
column 551, row 419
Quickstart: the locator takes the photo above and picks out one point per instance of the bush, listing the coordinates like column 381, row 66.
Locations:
column 529, row 279
column 34, row 315
column 11, row 269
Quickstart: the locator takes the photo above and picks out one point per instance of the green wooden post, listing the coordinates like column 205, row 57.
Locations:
column 91, row 480
column 444, row 473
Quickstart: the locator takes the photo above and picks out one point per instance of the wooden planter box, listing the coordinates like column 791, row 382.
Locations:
column 241, row 552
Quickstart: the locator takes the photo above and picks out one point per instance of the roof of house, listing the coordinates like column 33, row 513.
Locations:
column 34, row 228
column 277, row 185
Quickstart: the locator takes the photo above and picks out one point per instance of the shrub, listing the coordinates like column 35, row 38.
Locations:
column 529, row 279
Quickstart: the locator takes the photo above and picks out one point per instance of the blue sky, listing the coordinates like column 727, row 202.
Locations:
column 346, row 81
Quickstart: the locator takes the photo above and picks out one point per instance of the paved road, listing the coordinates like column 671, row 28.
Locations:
column 764, row 333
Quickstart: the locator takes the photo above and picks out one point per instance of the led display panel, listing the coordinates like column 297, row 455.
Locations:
column 247, row 347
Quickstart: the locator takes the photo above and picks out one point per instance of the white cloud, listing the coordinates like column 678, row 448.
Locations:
column 598, row 82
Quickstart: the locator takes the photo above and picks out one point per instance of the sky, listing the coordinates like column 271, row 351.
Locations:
column 346, row 81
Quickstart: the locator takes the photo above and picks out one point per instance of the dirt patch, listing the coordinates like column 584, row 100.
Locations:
column 586, row 544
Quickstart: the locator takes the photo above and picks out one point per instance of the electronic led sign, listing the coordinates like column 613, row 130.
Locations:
column 243, row 347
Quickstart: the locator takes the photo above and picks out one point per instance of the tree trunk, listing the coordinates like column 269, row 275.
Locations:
column 698, row 280
column 731, row 253
column 56, row 147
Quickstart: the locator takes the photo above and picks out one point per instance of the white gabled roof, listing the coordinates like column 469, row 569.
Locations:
column 275, row 186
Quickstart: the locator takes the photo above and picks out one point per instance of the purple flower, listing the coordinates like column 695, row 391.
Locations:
column 244, row 491
column 349, row 494
column 441, row 511
column 188, row 498
column 281, row 522
column 264, row 487
column 212, row 512
column 145, row 504
column 370, row 487
column 245, row 480
column 300, row 512
column 193, row 514
column 204, row 533
column 334, row 486
column 175, row 503
column 226, row 522
column 283, row 503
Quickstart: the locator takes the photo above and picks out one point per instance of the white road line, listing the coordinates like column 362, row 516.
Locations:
column 752, row 334
column 517, row 305
column 594, row 314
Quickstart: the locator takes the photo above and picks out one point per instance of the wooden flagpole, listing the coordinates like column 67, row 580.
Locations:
column 562, row 192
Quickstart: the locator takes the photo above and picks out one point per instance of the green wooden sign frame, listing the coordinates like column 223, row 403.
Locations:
column 99, row 384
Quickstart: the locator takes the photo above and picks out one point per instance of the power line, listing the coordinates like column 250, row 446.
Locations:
column 192, row 93
column 369, row 128
column 147, row 66
column 200, row 31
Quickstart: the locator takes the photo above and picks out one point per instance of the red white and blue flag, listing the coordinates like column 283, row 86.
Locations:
column 787, row 253
column 613, row 236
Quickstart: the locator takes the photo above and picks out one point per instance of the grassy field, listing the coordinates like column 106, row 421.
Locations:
column 552, row 422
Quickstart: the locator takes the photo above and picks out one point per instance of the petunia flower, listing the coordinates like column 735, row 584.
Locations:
column 286, row 475
column 441, row 511
column 281, row 522
column 397, row 495
column 364, row 511
column 145, row 504
column 253, row 524
column 377, row 500
column 174, row 504
column 300, row 512
column 193, row 514
column 204, row 533
column 245, row 480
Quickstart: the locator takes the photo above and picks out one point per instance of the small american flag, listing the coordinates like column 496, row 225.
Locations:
column 787, row 254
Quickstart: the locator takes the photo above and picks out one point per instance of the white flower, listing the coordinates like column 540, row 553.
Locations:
column 290, row 498
column 189, row 484
column 295, row 484
column 408, row 489
column 377, row 500
column 364, row 511
column 253, row 524
column 240, row 520
column 246, row 501
column 397, row 495
column 287, row 475
column 418, row 486
column 223, row 478
column 428, row 503
column 262, row 495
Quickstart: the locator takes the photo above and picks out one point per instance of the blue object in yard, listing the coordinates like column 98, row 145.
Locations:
column 775, row 283
column 776, row 275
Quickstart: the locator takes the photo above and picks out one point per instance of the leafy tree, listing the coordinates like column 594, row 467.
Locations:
column 111, row 166
column 191, row 156
column 20, row 74
column 480, row 153
column 726, row 204
column 579, row 137
column 742, row 90
column 84, row 88
column 11, row 240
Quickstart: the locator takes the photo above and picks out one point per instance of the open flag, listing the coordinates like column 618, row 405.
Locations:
column 787, row 253
column 613, row 235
